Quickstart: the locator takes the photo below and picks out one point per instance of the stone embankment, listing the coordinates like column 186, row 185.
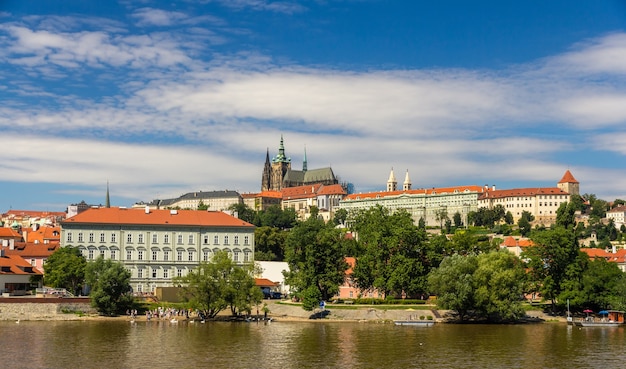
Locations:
column 36, row 308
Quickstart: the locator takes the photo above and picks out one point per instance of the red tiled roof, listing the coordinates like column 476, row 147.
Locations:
column 617, row 257
column 429, row 191
column 156, row 217
column 332, row 190
column 32, row 250
column 9, row 233
column 517, row 192
column 568, row 178
column 264, row 282
column 34, row 213
column 512, row 242
column 619, row 209
column 300, row 192
column 16, row 265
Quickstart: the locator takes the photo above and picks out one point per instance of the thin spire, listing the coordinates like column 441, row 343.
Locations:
column 107, row 202
column 304, row 164
column 406, row 186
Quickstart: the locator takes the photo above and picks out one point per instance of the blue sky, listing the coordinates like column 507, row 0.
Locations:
column 160, row 98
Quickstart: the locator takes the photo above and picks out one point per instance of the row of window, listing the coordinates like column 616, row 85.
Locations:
column 181, row 255
column 155, row 238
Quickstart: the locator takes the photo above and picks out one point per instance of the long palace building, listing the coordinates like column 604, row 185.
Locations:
column 157, row 245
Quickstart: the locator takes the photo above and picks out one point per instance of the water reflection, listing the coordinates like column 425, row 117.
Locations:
column 306, row 345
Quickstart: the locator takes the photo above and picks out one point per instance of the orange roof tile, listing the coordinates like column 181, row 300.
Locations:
column 156, row 217
column 429, row 191
column 619, row 209
column 568, row 178
column 32, row 250
column 264, row 282
column 517, row 192
column 9, row 233
column 332, row 190
column 14, row 264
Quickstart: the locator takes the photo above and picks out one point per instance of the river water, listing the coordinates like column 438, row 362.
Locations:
column 161, row 344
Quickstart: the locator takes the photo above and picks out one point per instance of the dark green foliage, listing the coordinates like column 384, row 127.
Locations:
column 524, row 223
column 315, row 252
column 109, row 283
column 219, row 284
column 65, row 268
column 269, row 244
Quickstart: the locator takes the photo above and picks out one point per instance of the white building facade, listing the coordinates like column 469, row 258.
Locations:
column 157, row 245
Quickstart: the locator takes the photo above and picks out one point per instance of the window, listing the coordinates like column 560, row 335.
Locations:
column 140, row 238
column 140, row 255
column 190, row 256
column 206, row 240
column 129, row 255
column 246, row 256
column 216, row 240
column 191, row 239
column 246, row 240
column 166, row 273
column 166, row 238
column 129, row 238
column 80, row 237
column 90, row 254
column 154, row 255
column 154, row 273
column 180, row 239
column 102, row 237
column 113, row 238
column 69, row 236
column 140, row 273
column 236, row 256
column 205, row 255
column 236, row 240
column 225, row 240
column 102, row 253
column 91, row 237
column 179, row 255
column 166, row 255
column 155, row 238
column 179, row 272
column 113, row 255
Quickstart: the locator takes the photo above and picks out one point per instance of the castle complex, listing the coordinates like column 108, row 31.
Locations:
column 278, row 174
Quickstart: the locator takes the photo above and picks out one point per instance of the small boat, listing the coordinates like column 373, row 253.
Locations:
column 614, row 318
column 416, row 323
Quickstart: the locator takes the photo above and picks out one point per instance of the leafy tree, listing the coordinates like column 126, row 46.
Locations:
column 453, row 283
column 274, row 216
column 244, row 213
column 458, row 221
column 548, row 260
column 388, row 240
column 441, row 215
column 340, row 217
column 565, row 215
column 311, row 297
column 109, row 282
column 269, row 244
column 524, row 223
column 499, row 285
column 65, row 268
column 508, row 218
column 216, row 285
column 202, row 206
column 316, row 257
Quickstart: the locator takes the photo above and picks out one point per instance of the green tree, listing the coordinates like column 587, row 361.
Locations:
column 453, row 283
column 202, row 206
column 65, row 268
column 109, row 283
column 388, row 240
column 244, row 213
column 548, row 260
column 316, row 257
column 241, row 292
column 274, row 216
column 524, row 223
column 458, row 221
column 340, row 217
column 508, row 218
column 269, row 244
column 441, row 215
column 499, row 285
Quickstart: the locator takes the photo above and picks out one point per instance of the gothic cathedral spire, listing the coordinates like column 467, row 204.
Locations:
column 304, row 165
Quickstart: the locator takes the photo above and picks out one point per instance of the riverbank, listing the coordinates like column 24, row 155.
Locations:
column 23, row 309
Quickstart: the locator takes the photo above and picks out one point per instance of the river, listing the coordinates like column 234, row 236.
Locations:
column 161, row 344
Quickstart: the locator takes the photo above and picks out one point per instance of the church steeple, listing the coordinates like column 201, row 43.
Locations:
column 304, row 165
column 281, row 158
column 107, row 202
column 392, row 184
column 406, row 186
column 266, row 178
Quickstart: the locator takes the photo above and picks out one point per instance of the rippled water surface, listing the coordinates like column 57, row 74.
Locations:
column 119, row 344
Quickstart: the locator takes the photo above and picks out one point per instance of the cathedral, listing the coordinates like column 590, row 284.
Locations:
column 277, row 173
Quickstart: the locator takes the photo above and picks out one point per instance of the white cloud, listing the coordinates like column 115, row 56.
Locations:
column 158, row 17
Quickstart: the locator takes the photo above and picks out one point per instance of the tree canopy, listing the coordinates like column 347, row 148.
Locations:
column 109, row 283
column 65, row 268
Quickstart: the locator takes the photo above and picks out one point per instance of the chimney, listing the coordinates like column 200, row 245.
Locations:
column 493, row 187
column 25, row 236
column 147, row 209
